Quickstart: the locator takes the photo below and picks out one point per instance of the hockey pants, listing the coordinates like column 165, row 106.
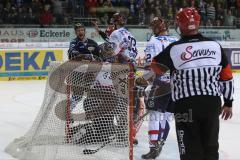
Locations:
column 197, row 127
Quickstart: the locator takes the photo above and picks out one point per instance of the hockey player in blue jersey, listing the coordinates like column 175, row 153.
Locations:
column 157, row 105
column 81, row 48
column 101, row 126
column 81, row 45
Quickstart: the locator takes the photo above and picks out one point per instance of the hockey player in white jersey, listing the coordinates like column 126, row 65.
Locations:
column 157, row 105
column 124, row 46
column 123, row 42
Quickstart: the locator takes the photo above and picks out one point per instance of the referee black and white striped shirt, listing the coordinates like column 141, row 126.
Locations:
column 198, row 66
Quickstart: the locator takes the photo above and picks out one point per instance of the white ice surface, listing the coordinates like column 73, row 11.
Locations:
column 21, row 100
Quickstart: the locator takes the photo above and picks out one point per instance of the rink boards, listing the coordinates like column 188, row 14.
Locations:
column 30, row 61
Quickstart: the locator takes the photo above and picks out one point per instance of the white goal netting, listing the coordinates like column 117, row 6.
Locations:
column 85, row 115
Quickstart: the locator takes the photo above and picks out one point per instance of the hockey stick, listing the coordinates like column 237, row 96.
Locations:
column 92, row 151
column 141, row 118
column 138, row 120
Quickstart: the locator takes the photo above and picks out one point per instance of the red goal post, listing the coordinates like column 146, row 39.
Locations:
column 87, row 113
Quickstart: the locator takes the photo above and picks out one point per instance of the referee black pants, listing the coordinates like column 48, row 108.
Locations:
column 197, row 127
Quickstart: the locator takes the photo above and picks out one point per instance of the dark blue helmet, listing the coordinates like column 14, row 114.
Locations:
column 78, row 25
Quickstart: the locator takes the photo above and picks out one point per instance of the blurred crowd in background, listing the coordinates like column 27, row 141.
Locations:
column 138, row 12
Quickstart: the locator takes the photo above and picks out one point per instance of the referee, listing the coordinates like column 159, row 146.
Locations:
column 200, row 74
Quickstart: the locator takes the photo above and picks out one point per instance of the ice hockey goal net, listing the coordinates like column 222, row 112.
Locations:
column 86, row 114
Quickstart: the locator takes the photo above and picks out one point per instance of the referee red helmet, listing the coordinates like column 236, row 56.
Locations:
column 188, row 20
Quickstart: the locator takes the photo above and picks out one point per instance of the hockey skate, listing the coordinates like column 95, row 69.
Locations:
column 154, row 151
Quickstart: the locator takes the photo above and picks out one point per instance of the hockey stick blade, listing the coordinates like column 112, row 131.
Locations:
column 92, row 151
column 141, row 118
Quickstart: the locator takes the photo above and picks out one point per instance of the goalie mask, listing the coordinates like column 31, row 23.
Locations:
column 107, row 52
column 159, row 25
column 188, row 20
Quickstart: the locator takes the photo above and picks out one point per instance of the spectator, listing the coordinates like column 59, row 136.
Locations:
column 218, row 23
column 132, row 10
column 174, row 4
column 164, row 9
column 104, row 19
column 152, row 15
column 28, row 2
column 141, row 16
column 237, row 22
column 157, row 4
column 83, row 8
column 72, row 4
column 5, row 2
column 202, row 11
column 36, row 6
column 108, row 3
column 46, row 2
column 21, row 16
column 1, row 13
column 211, row 12
column 149, row 7
column 91, row 6
column 184, row 4
column 158, row 8
column 149, row 11
column 229, row 18
column 220, row 13
column 231, row 4
column 108, row 7
column 140, row 4
column 13, row 19
column 170, row 13
column 175, row 11
column 31, row 18
column 238, row 7
column 192, row 3
column 65, row 19
column 100, row 3
column 19, row 3
column 46, row 17
column 80, row 9
column 7, row 13
column 119, row 3
column 209, row 23
column 158, row 12
column 57, row 11
column 132, row 7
